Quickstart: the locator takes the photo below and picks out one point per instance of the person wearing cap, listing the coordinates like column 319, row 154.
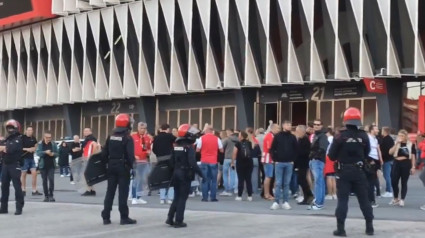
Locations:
column 118, row 153
column 350, row 149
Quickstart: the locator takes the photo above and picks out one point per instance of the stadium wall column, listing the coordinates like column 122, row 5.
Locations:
column 390, row 104
column 245, row 99
column 72, row 117
column 146, row 107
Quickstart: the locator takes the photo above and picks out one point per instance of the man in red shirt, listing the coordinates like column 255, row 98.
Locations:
column 209, row 145
column 268, row 161
column 142, row 149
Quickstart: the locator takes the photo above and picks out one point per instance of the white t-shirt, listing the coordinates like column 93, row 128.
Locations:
column 330, row 140
column 373, row 147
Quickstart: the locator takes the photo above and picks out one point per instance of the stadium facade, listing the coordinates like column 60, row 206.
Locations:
column 70, row 64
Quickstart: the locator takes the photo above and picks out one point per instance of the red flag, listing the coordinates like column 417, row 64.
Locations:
column 375, row 85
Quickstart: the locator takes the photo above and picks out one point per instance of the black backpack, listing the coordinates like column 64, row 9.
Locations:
column 246, row 150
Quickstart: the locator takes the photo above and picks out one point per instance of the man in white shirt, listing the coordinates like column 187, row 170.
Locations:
column 375, row 160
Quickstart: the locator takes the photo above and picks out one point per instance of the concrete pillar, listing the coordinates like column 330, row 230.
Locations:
column 245, row 99
column 146, row 107
column 72, row 116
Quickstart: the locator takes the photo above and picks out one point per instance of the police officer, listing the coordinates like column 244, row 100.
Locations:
column 349, row 150
column 11, row 168
column 185, row 167
column 119, row 155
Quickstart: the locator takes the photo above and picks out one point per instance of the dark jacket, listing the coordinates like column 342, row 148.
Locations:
column 319, row 146
column 116, row 149
column 87, row 139
column 184, row 162
column 77, row 154
column 43, row 156
column 303, row 159
column 350, row 146
column 163, row 144
column 14, row 148
column 386, row 144
column 284, row 147
column 64, row 155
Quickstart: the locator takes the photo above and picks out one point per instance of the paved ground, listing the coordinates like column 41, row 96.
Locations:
column 76, row 216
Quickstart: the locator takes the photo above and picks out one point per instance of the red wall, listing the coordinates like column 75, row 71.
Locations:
column 421, row 114
column 42, row 9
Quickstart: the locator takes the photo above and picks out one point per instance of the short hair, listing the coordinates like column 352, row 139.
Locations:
column 261, row 130
column 386, row 129
column 142, row 124
column 30, row 126
column 318, row 119
column 165, row 126
column 404, row 132
column 287, row 122
column 230, row 129
column 301, row 127
column 371, row 127
column 250, row 130
column 47, row 132
column 330, row 131
column 244, row 134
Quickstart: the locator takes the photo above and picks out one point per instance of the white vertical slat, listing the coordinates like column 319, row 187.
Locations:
column 41, row 77
column 51, row 93
column 31, row 86
column 11, row 78
column 413, row 10
column 88, row 93
column 294, row 72
column 21, row 91
column 62, row 87
column 160, row 79
column 3, row 79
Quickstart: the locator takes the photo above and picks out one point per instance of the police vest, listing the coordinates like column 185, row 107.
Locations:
column 14, row 150
column 181, row 160
column 353, row 148
column 117, row 147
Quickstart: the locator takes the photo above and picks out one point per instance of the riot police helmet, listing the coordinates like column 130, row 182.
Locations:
column 123, row 120
column 353, row 117
column 187, row 131
column 12, row 126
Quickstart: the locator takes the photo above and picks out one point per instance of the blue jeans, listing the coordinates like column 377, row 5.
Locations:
column 255, row 175
column 283, row 174
column 294, row 182
column 210, row 183
column 229, row 176
column 317, row 168
column 141, row 173
column 64, row 170
column 170, row 195
column 386, row 169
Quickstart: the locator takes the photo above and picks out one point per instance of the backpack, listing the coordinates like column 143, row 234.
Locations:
column 246, row 150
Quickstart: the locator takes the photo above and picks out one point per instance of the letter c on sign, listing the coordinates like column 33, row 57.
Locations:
column 372, row 85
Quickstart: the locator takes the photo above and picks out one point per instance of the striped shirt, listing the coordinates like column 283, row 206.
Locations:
column 267, row 144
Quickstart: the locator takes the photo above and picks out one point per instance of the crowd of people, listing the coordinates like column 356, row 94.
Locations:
column 279, row 162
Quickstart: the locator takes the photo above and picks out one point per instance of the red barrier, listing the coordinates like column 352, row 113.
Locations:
column 17, row 12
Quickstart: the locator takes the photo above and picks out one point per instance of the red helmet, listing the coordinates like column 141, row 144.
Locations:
column 14, row 124
column 122, row 120
column 187, row 131
column 353, row 116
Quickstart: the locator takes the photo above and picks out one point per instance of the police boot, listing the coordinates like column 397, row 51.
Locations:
column 369, row 228
column 18, row 211
column 3, row 210
column 169, row 221
column 127, row 221
column 340, row 229
column 180, row 225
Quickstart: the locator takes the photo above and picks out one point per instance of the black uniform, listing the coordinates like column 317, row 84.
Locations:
column 350, row 149
column 11, row 171
column 185, row 167
column 119, row 155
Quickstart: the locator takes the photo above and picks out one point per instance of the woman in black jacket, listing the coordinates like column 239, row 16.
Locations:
column 64, row 159
column 302, row 164
column 243, row 153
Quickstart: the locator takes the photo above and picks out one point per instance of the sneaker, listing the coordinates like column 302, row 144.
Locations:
column 192, row 195
column 72, row 182
column 249, row 199
column 68, row 175
column 92, row 193
column 85, row 194
column 180, row 225
column 46, row 199
column 52, row 199
column 295, row 195
column 141, row 201
column 374, row 204
column 162, row 202
column 328, row 197
column 62, row 175
column 134, row 201
column 226, row 194
column 275, row 206
column 401, row 203
column 239, row 198
column 198, row 193
column 170, row 202
column 24, row 193
column 286, row 206
column 37, row 193
column 128, row 221
column 300, row 199
column 387, row 195
column 334, row 197
column 394, row 202
column 214, row 200
column 422, row 207
column 106, row 221
column 315, row 207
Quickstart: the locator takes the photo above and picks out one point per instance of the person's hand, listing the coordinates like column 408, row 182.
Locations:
column 412, row 170
column 137, row 157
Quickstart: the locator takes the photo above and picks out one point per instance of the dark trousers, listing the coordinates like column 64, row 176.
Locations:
column 262, row 174
column 11, row 172
column 352, row 178
column 372, row 180
column 401, row 170
column 244, row 176
column 302, row 181
column 48, row 177
column 119, row 176
column 181, row 185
